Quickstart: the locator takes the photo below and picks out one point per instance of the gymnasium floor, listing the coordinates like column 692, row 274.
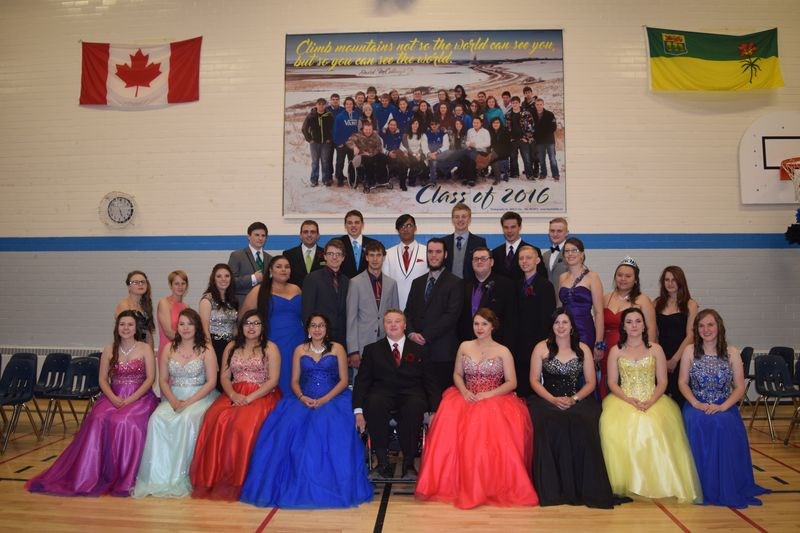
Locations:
column 393, row 508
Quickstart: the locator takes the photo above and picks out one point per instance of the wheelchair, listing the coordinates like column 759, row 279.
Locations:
column 394, row 449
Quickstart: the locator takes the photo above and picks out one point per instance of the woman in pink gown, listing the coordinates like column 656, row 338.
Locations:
column 169, row 307
column 480, row 445
column 104, row 457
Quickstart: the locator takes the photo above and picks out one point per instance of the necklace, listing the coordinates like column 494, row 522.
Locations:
column 184, row 355
column 127, row 352
column 316, row 350
column 625, row 298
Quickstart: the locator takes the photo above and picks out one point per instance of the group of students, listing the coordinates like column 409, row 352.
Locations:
column 283, row 431
column 389, row 136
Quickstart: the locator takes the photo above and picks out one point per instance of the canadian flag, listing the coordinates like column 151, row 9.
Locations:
column 122, row 75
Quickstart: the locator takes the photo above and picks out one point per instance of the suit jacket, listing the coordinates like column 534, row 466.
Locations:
column 243, row 266
column 319, row 296
column 378, row 374
column 437, row 320
column 473, row 241
column 349, row 265
column 514, row 273
column 364, row 318
column 534, row 312
column 298, row 263
column 393, row 265
column 498, row 295
column 559, row 267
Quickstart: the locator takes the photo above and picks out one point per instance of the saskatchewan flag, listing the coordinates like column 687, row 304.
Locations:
column 691, row 61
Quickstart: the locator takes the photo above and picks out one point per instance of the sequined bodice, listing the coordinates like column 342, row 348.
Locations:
column 318, row 377
column 638, row 377
column 222, row 321
column 131, row 372
column 711, row 379
column 561, row 379
column 484, row 376
column 250, row 369
column 191, row 374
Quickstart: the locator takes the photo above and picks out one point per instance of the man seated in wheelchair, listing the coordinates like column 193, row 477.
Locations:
column 369, row 159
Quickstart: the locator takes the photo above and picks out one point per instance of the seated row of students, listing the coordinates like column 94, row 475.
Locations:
column 303, row 450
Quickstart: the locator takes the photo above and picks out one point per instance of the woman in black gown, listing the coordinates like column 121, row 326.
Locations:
column 568, row 465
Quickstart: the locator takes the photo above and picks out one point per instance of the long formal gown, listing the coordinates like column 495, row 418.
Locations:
column 611, row 322
column 175, row 309
column 310, row 458
column 719, row 441
column 479, row 453
column 287, row 332
column 646, row 452
column 568, row 465
column 171, row 436
column 104, row 456
column 579, row 302
column 221, row 327
column 671, row 332
column 229, row 433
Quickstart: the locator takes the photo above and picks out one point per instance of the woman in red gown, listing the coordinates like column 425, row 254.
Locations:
column 250, row 370
column 481, row 439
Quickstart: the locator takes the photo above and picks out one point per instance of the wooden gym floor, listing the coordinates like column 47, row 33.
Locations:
column 393, row 509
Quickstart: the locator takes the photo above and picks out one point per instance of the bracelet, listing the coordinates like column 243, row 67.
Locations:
column 601, row 345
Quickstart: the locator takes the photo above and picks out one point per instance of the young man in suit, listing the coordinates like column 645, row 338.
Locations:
column 490, row 290
column 505, row 256
column 249, row 263
column 460, row 244
column 394, row 376
column 355, row 244
column 433, row 310
column 325, row 292
column 406, row 260
column 369, row 296
column 307, row 256
column 553, row 258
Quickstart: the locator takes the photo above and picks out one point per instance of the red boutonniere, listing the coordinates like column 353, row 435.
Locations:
column 529, row 291
column 410, row 358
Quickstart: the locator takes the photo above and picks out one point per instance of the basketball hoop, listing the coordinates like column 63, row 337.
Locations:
column 790, row 170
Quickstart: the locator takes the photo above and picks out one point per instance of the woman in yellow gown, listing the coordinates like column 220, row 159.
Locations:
column 644, row 443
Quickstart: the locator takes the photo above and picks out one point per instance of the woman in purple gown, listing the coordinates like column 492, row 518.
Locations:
column 105, row 454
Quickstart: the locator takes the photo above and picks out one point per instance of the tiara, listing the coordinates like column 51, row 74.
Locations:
column 630, row 261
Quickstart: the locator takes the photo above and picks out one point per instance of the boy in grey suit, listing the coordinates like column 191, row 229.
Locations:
column 248, row 264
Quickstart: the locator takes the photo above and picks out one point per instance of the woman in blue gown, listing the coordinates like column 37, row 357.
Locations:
column 188, row 376
column 280, row 303
column 309, row 454
column 712, row 381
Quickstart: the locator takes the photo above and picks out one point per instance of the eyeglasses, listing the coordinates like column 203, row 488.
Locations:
column 137, row 282
column 334, row 254
column 252, row 323
column 315, row 325
column 407, row 226
column 480, row 259
column 571, row 251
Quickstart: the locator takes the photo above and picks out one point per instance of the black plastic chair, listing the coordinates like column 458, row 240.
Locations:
column 788, row 356
column 51, row 378
column 16, row 389
column 773, row 381
column 747, row 357
column 80, row 383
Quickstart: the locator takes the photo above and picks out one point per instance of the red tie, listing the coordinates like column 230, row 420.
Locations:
column 406, row 259
column 396, row 354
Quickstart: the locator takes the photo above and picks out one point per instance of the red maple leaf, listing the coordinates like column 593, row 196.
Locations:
column 139, row 73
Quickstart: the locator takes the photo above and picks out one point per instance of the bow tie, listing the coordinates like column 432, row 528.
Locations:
column 555, row 248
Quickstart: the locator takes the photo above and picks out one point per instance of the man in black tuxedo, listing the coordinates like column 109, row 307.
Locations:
column 249, row 263
column 433, row 310
column 394, row 376
column 460, row 244
column 355, row 258
column 325, row 292
column 490, row 290
column 307, row 256
column 506, row 256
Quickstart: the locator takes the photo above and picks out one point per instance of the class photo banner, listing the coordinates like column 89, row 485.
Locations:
column 691, row 61
column 490, row 62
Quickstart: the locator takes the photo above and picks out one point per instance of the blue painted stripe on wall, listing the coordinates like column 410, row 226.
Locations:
column 597, row 241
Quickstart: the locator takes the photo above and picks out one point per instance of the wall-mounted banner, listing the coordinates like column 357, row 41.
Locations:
column 434, row 82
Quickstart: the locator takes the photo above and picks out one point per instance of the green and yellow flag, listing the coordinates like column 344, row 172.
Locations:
column 691, row 61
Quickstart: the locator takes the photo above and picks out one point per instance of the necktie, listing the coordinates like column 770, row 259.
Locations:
column 357, row 252
column 458, row 242
column 477, row 296
column 406, row 259
column 429, row 288
column 510, row 257
column 396, row 354
column 377, row 288
column 259, row 262
column 309, row 260
column 555, row 248
column 335, row 276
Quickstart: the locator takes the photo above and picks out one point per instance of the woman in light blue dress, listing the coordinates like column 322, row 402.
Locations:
column 188, row 376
